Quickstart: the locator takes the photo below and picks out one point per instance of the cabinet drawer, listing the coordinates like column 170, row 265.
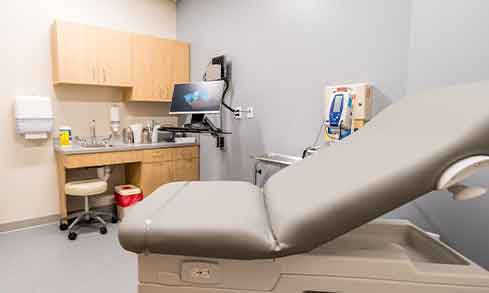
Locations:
column 126, row 157
column 101, row 159
column 77, row 161
column 157, row 155
column 186, row 153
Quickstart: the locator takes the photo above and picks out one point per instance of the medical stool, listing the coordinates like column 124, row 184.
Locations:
column 87, row 188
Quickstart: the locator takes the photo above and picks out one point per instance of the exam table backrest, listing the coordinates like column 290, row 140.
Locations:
column 394, row 159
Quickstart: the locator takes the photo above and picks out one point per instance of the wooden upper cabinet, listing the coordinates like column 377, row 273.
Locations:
column 74, row 54
column 114, row 57
column 180, row 64
column 157, row 64
column 147, row 66
column 142, row 67
column 163, row 76
column 89, row 55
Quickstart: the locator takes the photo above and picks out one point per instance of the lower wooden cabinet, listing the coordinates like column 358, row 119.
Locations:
column 148, row 169
column 150, row 177
column 164, row 166
column 186, row 170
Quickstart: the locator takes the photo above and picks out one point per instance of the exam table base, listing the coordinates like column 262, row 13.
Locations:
column 382, row 256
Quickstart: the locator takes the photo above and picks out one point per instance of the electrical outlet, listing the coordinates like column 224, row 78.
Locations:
column 238, row 115
column 250, row 113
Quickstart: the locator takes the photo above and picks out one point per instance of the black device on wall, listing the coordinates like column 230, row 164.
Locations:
column 220, row 60
column 217, row 70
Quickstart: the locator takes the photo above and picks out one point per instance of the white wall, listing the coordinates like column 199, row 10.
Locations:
column 28, row 169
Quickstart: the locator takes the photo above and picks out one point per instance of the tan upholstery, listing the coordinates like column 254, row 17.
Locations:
column 174, row 211
column 396, row 158
column 86, row 187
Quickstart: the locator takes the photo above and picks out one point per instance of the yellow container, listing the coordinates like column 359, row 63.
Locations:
column 65, row 136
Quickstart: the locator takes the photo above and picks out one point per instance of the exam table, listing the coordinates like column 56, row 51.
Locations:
column 299, row 234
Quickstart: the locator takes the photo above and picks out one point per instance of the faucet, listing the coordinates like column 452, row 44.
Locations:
column 93, row 137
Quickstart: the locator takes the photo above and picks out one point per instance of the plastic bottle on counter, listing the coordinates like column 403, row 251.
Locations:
column 65, row 136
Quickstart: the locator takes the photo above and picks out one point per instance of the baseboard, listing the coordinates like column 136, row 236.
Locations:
column 28, row 223
column 11, row 226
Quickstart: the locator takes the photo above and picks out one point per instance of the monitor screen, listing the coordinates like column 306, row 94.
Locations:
column 338, row 100
column 197, row 98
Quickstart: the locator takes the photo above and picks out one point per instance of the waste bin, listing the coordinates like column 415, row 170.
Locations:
column 126, row 196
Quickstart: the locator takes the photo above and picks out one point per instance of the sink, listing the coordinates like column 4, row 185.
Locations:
column 92, row 141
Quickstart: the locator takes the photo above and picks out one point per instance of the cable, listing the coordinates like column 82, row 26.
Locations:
column 204, row 77
column 319, row 132
column 226, row 87
column 304, row 153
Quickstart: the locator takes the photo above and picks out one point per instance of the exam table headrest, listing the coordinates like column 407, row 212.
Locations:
column 396, row 158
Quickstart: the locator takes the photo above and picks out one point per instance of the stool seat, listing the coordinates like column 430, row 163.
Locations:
column 86, row 187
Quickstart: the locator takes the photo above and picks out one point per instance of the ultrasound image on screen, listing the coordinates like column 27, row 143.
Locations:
column 199, row 97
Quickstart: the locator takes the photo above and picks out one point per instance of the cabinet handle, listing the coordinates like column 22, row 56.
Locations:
column 105, row 75
column 93, row 73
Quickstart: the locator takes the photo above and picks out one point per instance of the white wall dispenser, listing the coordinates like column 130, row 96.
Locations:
column 34, row 116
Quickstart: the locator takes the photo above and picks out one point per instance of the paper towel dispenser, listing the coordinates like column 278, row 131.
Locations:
column 34, row 116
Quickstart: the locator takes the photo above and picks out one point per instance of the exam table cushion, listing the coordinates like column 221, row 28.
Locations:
column 200, row 218
column 394, row 159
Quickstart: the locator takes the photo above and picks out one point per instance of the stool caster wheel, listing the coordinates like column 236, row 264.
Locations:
column 103, row 230
column 72, row 235
column 63, row 226
column 114, row 220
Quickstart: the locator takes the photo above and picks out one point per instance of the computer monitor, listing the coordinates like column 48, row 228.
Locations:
column 197, row 98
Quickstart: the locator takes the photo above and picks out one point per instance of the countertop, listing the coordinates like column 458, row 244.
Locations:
column 77, row 149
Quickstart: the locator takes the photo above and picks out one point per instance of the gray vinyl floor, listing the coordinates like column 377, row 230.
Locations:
column 41, row 259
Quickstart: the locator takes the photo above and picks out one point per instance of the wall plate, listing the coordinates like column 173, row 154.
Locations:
column 250, row 113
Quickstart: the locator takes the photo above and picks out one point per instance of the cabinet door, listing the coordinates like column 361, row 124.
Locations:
column 114, row 58
column 186, row 170
column 150, row 177
column 166, row 172
column 143, row 68
column 74, row 54
column 180, row 65
column 157, row 64
column 163, row 70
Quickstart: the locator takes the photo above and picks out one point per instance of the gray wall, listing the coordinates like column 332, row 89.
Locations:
column 449, row 44
column 284, row 52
